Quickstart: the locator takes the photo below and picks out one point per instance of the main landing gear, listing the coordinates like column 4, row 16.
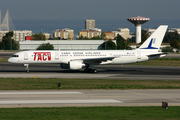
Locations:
column 26, row 67
column 90, row 69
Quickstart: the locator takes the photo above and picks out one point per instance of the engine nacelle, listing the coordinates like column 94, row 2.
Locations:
column 76, row 65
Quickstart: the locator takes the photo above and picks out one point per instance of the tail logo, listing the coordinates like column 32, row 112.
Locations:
column 153, row 40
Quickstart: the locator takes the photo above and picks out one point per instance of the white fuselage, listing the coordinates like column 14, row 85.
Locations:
column 120, row 56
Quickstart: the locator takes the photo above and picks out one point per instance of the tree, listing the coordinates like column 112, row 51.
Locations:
column 120, row 42
column 144, row 36
column 109, row 45
column 169, row 36
column 103, row 36
column 46, row 46
column 83, row 38
column 96, row 38
column 167, row 49
column 8, row 43
column 38, row 36
column 174, row 44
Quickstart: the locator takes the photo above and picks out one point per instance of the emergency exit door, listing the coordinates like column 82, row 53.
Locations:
column 138, row 55
column 56, row 55
column 25, row 56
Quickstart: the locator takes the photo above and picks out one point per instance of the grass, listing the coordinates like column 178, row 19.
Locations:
column 51, row 83
column 91, row 113
column 3, row 60
column 161, row 62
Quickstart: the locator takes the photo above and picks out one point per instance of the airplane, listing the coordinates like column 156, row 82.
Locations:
column 79, row 59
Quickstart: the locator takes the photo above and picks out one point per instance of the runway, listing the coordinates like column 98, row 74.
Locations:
column 127, row 72
column 82, row 98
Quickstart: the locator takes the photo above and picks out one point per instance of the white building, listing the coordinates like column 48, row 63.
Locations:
column 66, row 33
column 149, row 30
column 47, row 35
column 124, row 32
column 19, row 35
column 96, row 29
column 174, row 30
column 64, row 44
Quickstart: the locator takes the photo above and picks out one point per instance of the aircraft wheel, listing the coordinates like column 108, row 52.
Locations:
column 94, row 71
column 85, row 70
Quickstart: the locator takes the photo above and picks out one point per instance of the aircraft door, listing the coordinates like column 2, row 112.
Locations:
column 56, row 55
column 25, row 56
column 138, row 55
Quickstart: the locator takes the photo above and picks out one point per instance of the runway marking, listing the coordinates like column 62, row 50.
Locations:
column 34, row 76
column 60, row 101
column 37, row 93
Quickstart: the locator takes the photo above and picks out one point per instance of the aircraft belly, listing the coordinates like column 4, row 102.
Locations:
column 117, row 60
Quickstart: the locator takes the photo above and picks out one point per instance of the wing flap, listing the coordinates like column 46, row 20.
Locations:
column 96, row 60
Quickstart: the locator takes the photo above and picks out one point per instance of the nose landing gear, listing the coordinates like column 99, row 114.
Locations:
column 26, row 67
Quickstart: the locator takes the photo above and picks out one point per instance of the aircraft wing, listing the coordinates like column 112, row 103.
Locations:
column 96, row 60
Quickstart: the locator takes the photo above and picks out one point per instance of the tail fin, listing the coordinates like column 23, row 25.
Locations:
column 153, row 43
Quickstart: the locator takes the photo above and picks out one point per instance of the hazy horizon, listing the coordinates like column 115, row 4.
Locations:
column 60, row 14
column 78, row 25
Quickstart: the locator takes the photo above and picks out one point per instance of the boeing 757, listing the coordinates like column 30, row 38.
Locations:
column 79, row 59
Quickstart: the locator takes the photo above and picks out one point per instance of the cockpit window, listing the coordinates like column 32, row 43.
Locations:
column 15, row 55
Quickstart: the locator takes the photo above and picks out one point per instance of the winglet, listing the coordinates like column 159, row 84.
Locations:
column 155, row 40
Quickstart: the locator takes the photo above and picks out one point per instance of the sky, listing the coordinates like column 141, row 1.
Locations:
column 56, row 14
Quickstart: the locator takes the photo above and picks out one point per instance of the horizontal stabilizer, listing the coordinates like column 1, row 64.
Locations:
column 153, row 55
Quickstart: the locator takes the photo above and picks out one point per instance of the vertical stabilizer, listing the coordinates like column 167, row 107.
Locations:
column 153, row 43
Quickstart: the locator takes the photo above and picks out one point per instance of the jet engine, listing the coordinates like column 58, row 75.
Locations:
column 73, row 65
column 76, row 65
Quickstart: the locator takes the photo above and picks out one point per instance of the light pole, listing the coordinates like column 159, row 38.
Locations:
column 41, row 31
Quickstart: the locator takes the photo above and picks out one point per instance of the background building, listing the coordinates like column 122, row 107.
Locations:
column 47, row 35
column 64, row 44
column 67, row 34
column 93, row 33
column 89, row 33
column 83, row 33
column 19, row 35
column 89, row 24
column 124, row 32
column 174, row 30
column 109, row 35
column 149, row 31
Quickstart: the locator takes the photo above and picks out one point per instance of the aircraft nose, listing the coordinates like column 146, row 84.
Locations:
column 10, row 60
